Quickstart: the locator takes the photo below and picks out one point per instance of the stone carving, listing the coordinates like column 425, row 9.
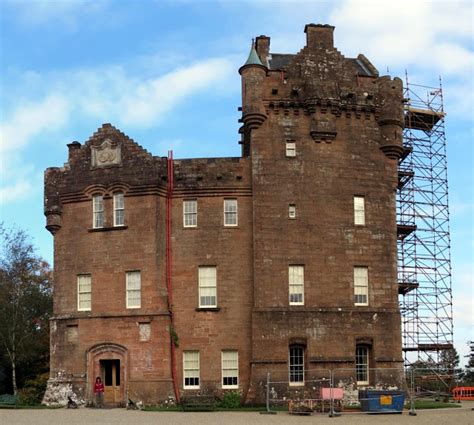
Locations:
column 106, row 154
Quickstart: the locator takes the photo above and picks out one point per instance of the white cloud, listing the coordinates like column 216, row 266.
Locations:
column 47, row 12
column 105, row 94
column 33, row 118
column 19, row 190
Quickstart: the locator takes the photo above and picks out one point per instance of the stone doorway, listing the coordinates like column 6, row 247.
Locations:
column 110, row 362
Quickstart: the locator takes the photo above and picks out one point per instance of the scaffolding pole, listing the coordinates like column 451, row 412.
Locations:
column 424, row 259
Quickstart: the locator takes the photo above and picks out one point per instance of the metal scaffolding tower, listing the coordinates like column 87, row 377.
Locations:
column 424, row 260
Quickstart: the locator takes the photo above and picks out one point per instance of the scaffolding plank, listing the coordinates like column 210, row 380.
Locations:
column 421, row 119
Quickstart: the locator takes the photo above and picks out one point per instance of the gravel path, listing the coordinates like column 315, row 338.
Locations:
column 459, row 416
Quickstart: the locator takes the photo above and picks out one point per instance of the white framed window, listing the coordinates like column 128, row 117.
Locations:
column 190, row 213
column 361, row 285
column 292, row 211
column 296, row 365
column 133, row 289
column 296, row 285
column 290, row 149
column 230, row 369
column 359, row 210
column 119, row 209
column 230, row 212
column 207, row 286
column 362, row 365
column 84, row 292
column 191, row 369
column 97, row 211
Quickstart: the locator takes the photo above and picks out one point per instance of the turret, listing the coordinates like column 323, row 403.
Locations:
column 253, row 73
column 391, row 116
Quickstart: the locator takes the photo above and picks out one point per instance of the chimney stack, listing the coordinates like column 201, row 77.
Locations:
column 319, row 36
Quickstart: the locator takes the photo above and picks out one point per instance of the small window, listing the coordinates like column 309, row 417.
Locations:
column 119, row 210
column 362, row 364
column 207, row 287
column 296, row 369
column 134, row 291
column 292, row 211
column 144, row 330
column 98, row 212
column 190, row 213
column 290, row 149
column 230, row 212
column 230, row 369
column 84, row 292
column 191, row 369
column 359, row 210
column 296, row 284
column 361, row 286
column 72, row 334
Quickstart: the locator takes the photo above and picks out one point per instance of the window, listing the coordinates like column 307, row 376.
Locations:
column 84, row 292
column 361, row 286
column 362, row 364
column 119, row 210
column 292, row 211
column 98, row 212
column 134, row 291
column 296, row 284
column 191, row 369
column 230, row 212
column 296, row 365
column 207, row 287
column 290, row 149
column 190, row 213
column 144, row 331
column 230, row 369
column 359, row 210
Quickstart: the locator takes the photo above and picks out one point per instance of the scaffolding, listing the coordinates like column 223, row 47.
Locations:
column 424, row 260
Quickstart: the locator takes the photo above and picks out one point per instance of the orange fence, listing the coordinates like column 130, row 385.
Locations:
column 463, row 393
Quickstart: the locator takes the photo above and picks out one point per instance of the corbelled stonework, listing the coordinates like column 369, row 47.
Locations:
column 343, row 122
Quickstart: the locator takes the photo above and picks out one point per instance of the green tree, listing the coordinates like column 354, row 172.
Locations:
column 25, row 304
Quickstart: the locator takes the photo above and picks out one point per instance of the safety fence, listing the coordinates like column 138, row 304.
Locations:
column 344, row 391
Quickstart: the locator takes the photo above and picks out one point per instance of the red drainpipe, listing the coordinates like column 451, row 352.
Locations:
column 169, row 196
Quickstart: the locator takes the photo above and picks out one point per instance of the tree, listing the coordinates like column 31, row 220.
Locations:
column 25, row 303
column 468, row 378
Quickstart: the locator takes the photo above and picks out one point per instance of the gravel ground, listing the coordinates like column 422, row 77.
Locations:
column 459, row 416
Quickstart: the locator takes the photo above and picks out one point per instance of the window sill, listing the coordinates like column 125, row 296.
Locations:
column 296, row 384
column 231, row 227
column 208, row 309
column 230, row 387
column 106, row 229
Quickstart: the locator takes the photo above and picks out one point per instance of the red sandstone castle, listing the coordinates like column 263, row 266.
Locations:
column 174, row 277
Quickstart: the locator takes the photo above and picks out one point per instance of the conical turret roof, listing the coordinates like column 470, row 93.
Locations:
column 253, row 58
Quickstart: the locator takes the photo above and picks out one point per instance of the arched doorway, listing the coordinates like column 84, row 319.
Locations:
column 110, row 362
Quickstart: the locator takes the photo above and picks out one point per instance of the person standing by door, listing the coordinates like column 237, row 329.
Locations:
column 99, row 392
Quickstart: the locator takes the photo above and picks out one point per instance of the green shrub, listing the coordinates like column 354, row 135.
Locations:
column 33, row 390
column 230, row 400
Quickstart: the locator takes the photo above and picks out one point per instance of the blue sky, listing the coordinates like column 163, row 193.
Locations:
column 165, row 73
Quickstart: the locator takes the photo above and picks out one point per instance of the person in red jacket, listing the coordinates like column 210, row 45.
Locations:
column 99, row 392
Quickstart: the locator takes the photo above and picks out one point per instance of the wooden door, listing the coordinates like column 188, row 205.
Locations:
column 111, row 379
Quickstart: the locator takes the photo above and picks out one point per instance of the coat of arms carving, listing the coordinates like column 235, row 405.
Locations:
column 106, row 154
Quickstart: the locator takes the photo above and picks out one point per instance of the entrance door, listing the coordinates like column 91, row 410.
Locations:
column 111, row 378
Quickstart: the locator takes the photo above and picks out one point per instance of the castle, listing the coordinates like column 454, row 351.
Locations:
column 185, row 276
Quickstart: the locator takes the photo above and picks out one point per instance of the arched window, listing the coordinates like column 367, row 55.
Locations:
column 296, row 365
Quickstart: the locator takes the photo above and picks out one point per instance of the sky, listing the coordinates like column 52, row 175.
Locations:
column 166, row 74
